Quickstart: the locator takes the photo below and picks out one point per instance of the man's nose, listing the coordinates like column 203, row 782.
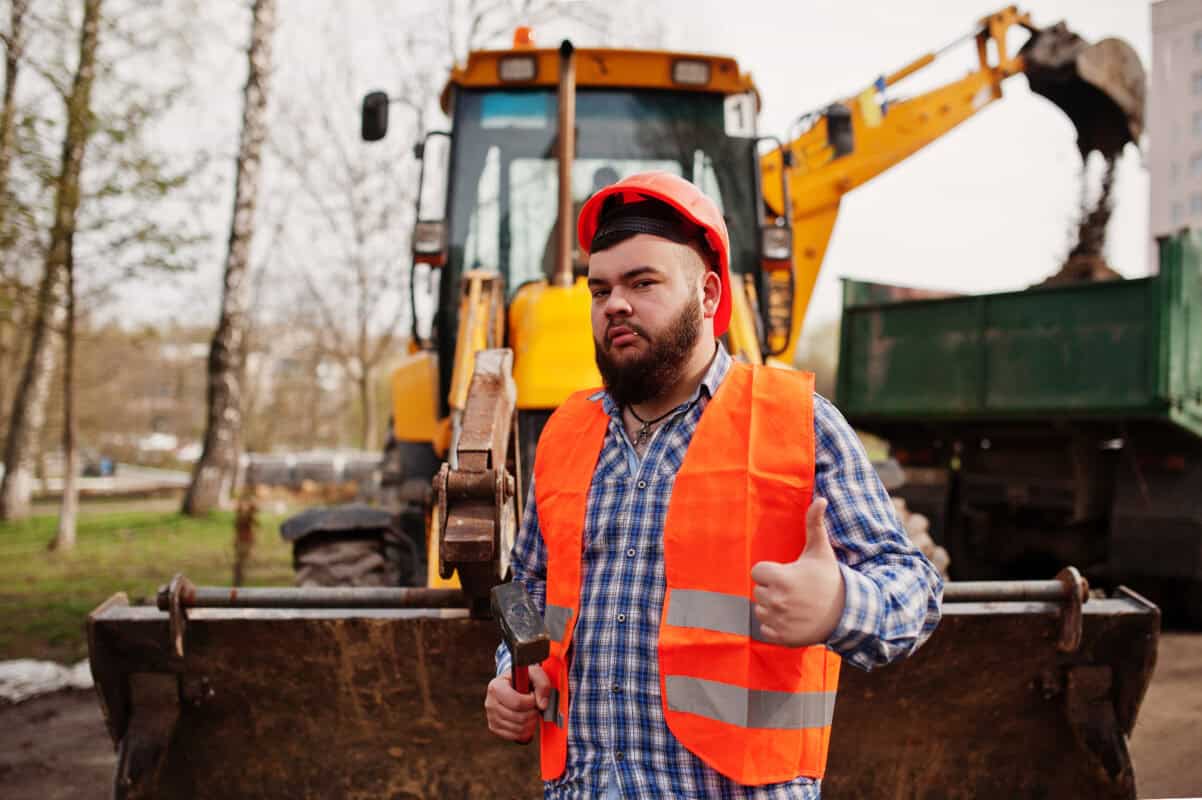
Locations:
column 616, row 304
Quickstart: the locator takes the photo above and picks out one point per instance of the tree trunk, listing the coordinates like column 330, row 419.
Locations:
column 13, row 54
column 8, row 112
column 213, row 477
column 10, row 322
column 28, row 415
column 367, row 407
column 64, row 539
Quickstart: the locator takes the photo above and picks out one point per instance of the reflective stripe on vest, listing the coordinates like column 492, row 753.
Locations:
column 756, row 712
column 754, row 708
column 557, row 618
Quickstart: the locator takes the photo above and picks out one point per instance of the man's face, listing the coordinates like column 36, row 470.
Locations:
column 647, row 314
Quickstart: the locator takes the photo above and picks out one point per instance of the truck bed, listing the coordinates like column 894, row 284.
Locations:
column 1128, row 350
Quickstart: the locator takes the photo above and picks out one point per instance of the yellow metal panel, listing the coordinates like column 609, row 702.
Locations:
column 743, row 340
column 433, row 579
column 818, row 182
column 415, row 398
column 629, row 69
column 552, row 341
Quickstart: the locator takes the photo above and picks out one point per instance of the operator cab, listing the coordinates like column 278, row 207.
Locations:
column 489, row 194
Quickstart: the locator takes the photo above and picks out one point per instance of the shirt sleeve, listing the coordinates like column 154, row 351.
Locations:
column 529, row 562
column 893, row 594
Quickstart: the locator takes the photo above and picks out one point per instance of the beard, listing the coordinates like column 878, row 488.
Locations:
column 646, row 377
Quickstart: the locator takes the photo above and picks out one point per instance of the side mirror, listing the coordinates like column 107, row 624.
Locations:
column 776, row 242
column 430, row 230
column 430, row 242
column 374, row 124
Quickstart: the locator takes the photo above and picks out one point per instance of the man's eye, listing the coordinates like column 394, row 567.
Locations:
column 643, row 284
column 599, row 293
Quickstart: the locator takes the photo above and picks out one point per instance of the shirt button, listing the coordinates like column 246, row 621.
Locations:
column 621, row 618
column 617, row 689
column 642, row 484
column 630, row 553
column 618, row 756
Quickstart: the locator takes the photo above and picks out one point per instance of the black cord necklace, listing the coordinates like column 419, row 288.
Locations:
column 644, row 433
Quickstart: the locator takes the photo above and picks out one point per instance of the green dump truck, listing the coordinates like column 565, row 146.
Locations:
column 1048, row 426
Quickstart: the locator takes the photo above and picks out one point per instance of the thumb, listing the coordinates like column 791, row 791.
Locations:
column 818, row 543
column 542, row 687
column 768, row 573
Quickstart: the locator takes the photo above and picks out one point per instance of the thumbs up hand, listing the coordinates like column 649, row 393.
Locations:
column 800, row 604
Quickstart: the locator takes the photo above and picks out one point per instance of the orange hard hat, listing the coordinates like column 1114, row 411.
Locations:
column 687, row 200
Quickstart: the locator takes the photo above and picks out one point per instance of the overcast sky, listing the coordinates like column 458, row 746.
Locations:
column 988, row 207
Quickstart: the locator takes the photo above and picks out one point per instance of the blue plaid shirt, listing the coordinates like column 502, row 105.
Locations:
column 616, row 729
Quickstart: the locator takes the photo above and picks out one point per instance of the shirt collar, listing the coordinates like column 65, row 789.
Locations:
column 719, row 366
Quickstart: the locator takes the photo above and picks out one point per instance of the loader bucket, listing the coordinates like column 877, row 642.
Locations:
column 991, row 707
column 1101, row 87
column 1007, row 699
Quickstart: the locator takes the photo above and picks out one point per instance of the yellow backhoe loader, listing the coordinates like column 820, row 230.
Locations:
column 1026, row 689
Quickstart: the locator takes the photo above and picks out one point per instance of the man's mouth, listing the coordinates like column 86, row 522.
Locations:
column 622, row 336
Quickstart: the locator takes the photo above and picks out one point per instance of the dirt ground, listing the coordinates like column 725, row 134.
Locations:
column 56, row 747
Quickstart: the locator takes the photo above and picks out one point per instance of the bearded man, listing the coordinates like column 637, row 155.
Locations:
column 707, row 540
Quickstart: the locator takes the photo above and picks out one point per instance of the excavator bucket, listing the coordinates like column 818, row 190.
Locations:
column 1101, row 87
column 1022, row 691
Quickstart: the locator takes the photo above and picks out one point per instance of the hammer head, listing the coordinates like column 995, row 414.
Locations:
column 522, row 627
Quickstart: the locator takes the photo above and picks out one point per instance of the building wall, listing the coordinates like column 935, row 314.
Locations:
column 1175, row 116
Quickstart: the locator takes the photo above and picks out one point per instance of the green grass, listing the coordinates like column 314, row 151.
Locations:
column 46, row 596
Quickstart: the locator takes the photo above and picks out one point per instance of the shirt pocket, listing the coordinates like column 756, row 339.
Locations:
column 608, row 518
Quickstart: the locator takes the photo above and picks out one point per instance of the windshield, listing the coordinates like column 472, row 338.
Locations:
column 503, row 215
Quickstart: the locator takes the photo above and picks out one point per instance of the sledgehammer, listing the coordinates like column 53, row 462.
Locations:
column 523, row 629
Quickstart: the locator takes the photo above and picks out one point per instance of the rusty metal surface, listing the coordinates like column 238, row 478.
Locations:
column 388, row 703
column 522, row 627
column 990, row 707
column 315, row 597
column 475, row 491
column 320, row 704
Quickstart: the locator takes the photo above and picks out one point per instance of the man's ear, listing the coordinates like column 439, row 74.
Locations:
column 711, row 293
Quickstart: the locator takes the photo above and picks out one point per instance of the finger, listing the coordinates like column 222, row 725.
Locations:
column 542, row 686
column 818, row 543
column 763, row 595
column 510, row 717
column 510, row 698
column 767, row 573
column 517, row 730
column 769, row 634
column 762, row 614
column 514, row 732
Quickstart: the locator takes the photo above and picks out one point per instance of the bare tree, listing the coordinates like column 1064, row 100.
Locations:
column 361, row 195
column 11, row 291
column 215, row 471
column 355, row 193
column 64, row 537
column 29, row 405
column 14, row 46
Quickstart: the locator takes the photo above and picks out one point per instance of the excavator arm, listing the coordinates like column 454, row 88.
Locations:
column 852, row 141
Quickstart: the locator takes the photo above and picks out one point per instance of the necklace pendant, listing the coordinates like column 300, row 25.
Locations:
column 641, row 437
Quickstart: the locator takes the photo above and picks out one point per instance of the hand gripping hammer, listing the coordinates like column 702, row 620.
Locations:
column 523, row 629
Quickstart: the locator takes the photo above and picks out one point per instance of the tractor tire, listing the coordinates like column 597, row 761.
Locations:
column 343, row 561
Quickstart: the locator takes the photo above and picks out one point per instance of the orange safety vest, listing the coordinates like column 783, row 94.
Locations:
column 756, row 712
